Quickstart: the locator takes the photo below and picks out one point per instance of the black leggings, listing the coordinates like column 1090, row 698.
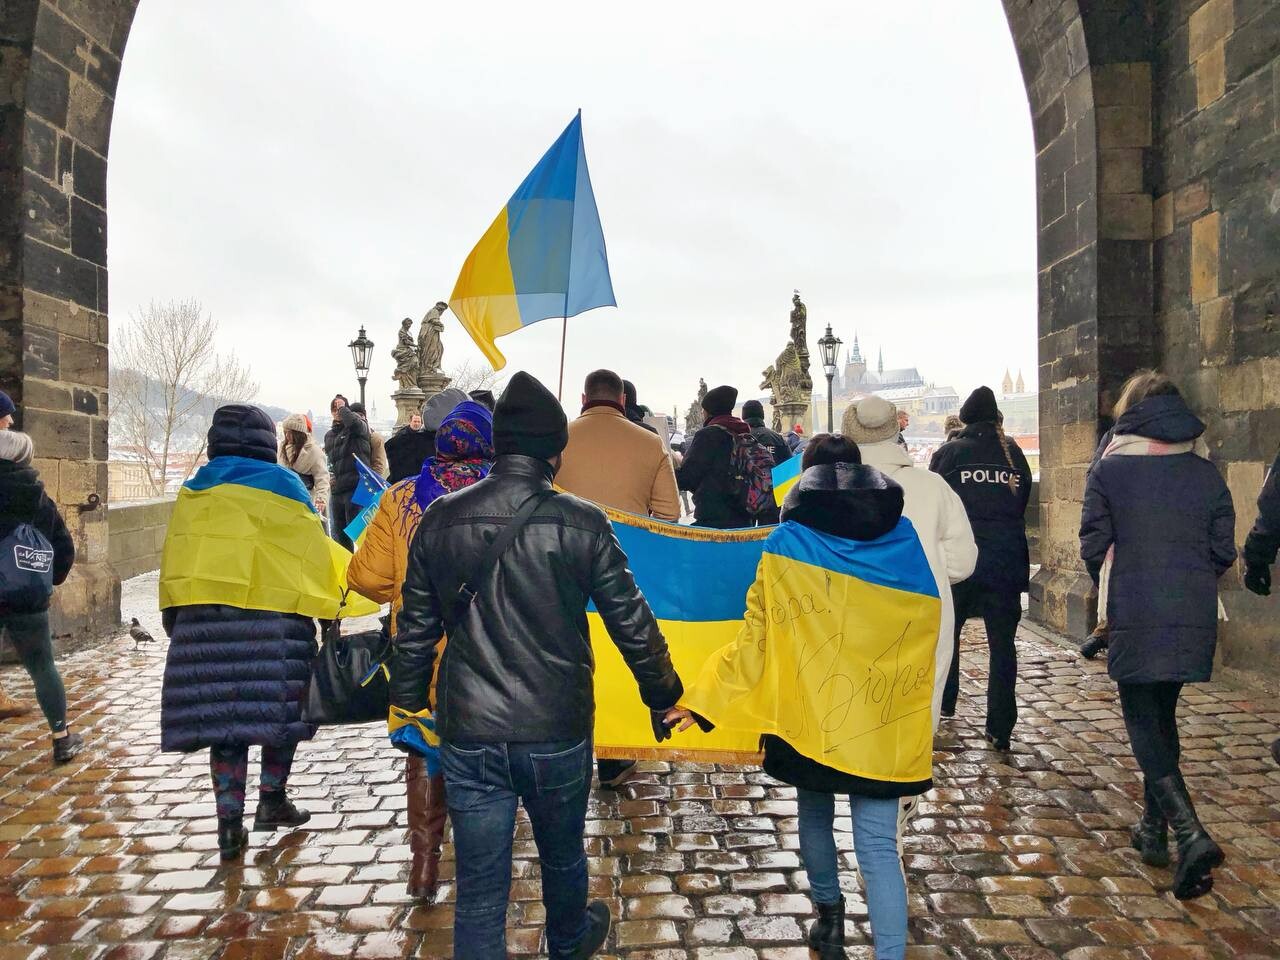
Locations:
column 1151, row 717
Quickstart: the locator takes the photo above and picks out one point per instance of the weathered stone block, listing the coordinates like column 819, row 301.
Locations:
column 82, row 361
column 1252, row 46
column 1209, row 25
column 1125, row 216
column 39, row 352
column 1122, row 84
column 85, row 401
column 1191, row 200
column 1204, row 258
column 60, row 315
column 1124, row 278
column 48, row 85
column 1211, row 76
column 89, row 115
column 48, row 469
column 1120, row 170
column 88, row 231
column 96, row 540
column 58, row 38
column 47, row 211
column 1078, row 443
column 1162, row 216
column 90, row 176
column 1240, row 386
column 59, row 274
column 1215, row 328
column 45, row 394
column 1128, row 126
column 40, row 148
column 59, row 435
column 1244, row 480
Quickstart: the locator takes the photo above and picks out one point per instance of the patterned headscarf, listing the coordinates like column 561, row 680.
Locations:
column 464, row 451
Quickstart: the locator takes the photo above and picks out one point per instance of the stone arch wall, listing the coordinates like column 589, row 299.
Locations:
column 1156, row 153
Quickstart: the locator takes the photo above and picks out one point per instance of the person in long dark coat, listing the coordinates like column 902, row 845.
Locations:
column 1262, row 545
column 1165, row 514
column 236, row 677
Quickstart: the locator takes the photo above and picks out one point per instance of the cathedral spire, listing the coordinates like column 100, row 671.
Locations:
column 857, row 350
column 1020, row 386
column 880, row 363
column 1006, row 385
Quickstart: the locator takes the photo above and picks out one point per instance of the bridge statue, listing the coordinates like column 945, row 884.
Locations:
column 788, row 381
column 418, row 363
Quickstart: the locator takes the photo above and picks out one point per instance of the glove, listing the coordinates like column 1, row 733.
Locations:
column 705, row 725
column 658, row 720
column 1257, row 577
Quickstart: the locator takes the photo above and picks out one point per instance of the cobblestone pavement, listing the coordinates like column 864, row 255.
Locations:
column 1020, row 857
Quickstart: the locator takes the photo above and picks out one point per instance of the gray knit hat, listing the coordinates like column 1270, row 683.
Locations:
column 16, row 446
column 870, row 420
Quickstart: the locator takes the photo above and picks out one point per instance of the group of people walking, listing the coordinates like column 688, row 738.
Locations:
column 496, row 542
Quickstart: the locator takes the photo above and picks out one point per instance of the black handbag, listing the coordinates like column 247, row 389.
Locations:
column 348, row 678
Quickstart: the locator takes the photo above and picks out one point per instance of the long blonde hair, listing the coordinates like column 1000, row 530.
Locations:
column 1143, row 384
column 1014, row 479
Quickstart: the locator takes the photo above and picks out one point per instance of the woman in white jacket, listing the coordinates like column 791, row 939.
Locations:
column 301, row 454
column 938, row 515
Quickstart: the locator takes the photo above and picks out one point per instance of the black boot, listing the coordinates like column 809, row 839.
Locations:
column 597, row 930
column 1150, row 835
column 1197, row 853
column 277, row 810
column 65, row 748
column 1093, row 646
column 826, row 936
column 232, row 837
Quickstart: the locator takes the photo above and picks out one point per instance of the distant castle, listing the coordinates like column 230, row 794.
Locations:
column 903, row 386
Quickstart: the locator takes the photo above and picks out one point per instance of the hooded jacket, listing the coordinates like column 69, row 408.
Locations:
column 1264, row 539
column 1172, row 523
column 975, row 466
column 523, row 672
column 23, row 500
column 347, row 442
column 706, row 472
column 843, row 560
column 938, row 515
column 309, row 463
column 235, row 676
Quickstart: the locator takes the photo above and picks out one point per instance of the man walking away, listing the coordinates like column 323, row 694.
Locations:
column 611, row 460
column 631, row 406
column 346, row 443
column 993, row 480
column 506, row 568
column 1262, row 544
column 776, row 443
column 707, row 470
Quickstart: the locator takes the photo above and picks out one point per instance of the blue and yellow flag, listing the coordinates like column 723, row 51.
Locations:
column 785, row 476
column 836, row 654
column 368, row 491
column 543, row 256
column 244, row 533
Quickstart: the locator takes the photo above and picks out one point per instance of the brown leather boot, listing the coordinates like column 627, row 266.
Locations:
column 10, row 707
column 427, row 814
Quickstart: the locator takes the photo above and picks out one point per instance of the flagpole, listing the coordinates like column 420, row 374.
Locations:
column 564, row 333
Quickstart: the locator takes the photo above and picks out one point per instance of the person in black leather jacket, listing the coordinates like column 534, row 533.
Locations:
column 514, row 699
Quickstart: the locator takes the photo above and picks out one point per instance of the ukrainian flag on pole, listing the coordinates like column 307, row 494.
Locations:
column 544, row 255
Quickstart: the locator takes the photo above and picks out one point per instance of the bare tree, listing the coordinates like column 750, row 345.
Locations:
column 468, row 376
column 167, row 378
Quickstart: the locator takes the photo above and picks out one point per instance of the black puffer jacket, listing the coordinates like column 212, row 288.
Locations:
column 1264, row 539
column 348, row 442
column 975, row 466
column 1172, row 523
column 707, row 473
column 23, row 500
column 236, row 676
column 523, row 670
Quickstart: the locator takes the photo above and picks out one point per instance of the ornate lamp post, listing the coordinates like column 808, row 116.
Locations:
column 829, row 346
column 361, row 354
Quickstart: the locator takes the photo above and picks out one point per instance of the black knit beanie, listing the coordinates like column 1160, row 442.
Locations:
column 720, row 401
column 753, row 410
column 980, row 407
column 529, row 420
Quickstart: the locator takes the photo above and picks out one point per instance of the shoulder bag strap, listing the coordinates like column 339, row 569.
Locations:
column 466, row 594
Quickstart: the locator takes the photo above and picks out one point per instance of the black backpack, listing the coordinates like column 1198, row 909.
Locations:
column 26, row 569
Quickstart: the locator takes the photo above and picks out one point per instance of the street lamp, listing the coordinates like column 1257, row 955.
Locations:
column 361, row 354
column 829, row 346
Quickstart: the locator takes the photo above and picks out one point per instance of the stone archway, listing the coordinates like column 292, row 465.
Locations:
column 1132, row 212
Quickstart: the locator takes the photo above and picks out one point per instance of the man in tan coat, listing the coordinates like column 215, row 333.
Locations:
column 612, row 461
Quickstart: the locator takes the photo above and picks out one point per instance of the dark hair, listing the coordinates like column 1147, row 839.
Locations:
column 830, row 448
column 336, row 398
column 294, row 441
column 603, row 385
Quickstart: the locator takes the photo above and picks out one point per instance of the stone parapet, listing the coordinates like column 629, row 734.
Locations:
column 137, row 535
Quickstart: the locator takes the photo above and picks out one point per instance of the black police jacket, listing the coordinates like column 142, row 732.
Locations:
column 522, row 669
column 975, row 465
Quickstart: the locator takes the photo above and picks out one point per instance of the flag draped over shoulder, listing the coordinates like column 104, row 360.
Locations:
column 836, row 654
column 244, row 533
column 543, row 256
column 695, row 580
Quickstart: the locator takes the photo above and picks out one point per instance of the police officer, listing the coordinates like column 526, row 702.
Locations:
column 992, row 478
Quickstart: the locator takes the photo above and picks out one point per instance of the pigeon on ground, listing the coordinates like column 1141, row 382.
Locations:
column 140, row 636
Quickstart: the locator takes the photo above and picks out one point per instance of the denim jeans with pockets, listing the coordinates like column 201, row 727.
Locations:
column 484, row 782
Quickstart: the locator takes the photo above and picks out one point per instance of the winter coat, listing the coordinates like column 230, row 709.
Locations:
column 975, row 466
column 378, row 454
column 612, row 461
column 707, row 473
column 1264, row 539
column 406, row 451
column 1171, row 521
column 236, row 676
column 311, row 467
column 348, row 441
column 523, row 671
column 23, row 500
column 775, row 441
column 938, row 515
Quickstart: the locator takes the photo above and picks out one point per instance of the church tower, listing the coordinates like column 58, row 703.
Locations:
column 1021, row 386
column 880, row 363
column 855, row 367
column 1006, row 385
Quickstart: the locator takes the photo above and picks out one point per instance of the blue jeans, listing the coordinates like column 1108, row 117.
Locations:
column 483, row 783
column 875, row 839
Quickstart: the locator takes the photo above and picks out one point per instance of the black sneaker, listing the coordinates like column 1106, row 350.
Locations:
column 621, row 777
column 65, row 748
column 277, row 810
column 1000, row 743
column 948, row 714
column 597, row 931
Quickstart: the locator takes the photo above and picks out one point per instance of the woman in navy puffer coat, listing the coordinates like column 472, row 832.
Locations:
column 1162, row 510
column 236, row 677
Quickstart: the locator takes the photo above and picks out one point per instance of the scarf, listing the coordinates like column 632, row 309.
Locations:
column 592, row 404
column 464, row 451
column 728, row 421
column 1133, row 445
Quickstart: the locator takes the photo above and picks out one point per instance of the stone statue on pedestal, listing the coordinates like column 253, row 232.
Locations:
column 430, row 346
column 696, row 416
column 405, row 354
column 788, row 381
column 418, row 363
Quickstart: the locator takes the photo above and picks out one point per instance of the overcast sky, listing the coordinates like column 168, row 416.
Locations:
column 302, row 168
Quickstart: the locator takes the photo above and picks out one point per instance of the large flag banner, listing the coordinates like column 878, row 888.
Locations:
column 543, row 256
column 696, row 581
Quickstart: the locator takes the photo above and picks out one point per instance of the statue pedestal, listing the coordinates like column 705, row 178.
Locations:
column 408, row 402
column 432, row 383
column 791, row 412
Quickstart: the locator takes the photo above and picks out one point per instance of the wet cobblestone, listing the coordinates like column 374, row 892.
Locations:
column 1016, row 857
